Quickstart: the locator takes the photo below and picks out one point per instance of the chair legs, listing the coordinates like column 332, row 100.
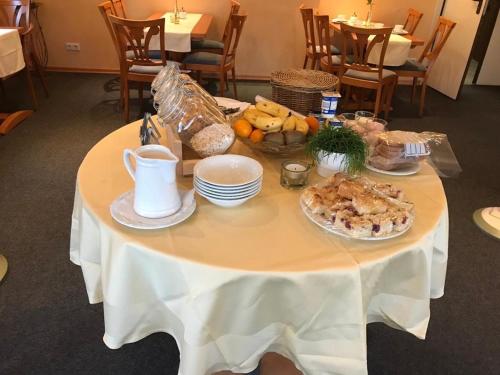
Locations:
column 140, row 92
column 222, row 83
column 41, row 74
column 31, row 88
column 233, row 74
column 422, row 98
column 414, row 89
column 126, row 99
column 378, row 100
column 314, row 63
column 305, row 61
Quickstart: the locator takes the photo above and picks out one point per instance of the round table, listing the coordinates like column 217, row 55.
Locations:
column 232, row 284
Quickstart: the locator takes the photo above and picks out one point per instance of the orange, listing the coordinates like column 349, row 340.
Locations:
column 257, row 136
column 243, row 128
column 313, row 124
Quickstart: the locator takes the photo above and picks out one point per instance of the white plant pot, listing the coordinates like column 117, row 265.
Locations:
column 331, row 163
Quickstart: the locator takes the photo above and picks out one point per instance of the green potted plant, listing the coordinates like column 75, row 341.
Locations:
column 337, row 149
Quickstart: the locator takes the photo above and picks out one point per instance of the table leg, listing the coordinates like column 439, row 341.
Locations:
column 8, row 121
column 3, row 266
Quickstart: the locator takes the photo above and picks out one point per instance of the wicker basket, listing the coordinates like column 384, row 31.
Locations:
column 300, row 89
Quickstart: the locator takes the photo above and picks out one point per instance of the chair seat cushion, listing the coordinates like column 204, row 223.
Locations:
column 337, row 59
column 368, row 76
column 203, row 58
column 335, row 50
column 144, row 69
column 152, row 54
column 206, row 44
column 412, row 65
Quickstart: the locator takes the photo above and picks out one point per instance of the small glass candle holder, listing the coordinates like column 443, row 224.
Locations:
column 294, row 174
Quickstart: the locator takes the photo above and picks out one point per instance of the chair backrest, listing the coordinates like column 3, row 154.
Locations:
column 118, row 8
column 15, row 13
column 412, row 21
column 308, row 21
column 233, row 37
column 324, row 41
column 136, row 36
column 107, row 9
column 437, row 41
column 235, row 8
column 362, row 41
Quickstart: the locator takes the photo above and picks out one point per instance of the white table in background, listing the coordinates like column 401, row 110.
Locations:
column 232, row 284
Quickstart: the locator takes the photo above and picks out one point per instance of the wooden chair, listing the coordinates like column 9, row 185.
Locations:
column 313, row 50
column 139, row 67
column 328, row 62
column 16, row 13
column 356, row 72
column 412, row 21
column 207, row 62
column 216, row 46
column 420, row 69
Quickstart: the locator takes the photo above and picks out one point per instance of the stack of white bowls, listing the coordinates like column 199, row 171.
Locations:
column 228, row 180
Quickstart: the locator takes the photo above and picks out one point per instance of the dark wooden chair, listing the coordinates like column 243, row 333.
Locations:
column 216, row 46
column 412, row 20
column 314, row 51
column 420, row 69
column 329, row 62
column 356, row 72
column 138, row 66
column 16, row 13
column 207, row 62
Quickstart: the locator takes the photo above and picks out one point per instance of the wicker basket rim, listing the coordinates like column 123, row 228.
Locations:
column 304, row 79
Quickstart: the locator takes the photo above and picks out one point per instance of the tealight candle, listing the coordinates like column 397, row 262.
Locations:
column 294, row 174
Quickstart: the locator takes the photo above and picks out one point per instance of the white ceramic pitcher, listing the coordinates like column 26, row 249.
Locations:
column 156, row 193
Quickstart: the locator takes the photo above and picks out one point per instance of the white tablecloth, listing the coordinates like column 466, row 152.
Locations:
column 177, row 36
column 11, row 52
column 232, row 284
column 398, row 51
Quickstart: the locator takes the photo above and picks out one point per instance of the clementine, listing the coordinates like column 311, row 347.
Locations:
column 313, row 124
column 257, row 136
column 242, row 128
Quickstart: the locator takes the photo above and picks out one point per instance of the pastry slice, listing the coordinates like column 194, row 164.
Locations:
column 366, row 203
column 348, row 189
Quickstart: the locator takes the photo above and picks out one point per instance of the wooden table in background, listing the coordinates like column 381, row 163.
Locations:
column 200, row 31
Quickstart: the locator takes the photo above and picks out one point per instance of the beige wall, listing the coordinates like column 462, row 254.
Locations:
column 272, row 38
column 490, row 71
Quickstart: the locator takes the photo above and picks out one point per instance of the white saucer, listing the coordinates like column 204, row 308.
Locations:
column 339, row 20
column 402, row 32
column 406, row 171
column 122, row 211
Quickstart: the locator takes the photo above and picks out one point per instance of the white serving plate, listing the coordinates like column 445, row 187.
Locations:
column 407, row 171
column 223, row 190
column 228, row 189
column 228, row 170
column 122, row 210
column 328, row 226
column 339, row 20
column 402, row 32
column 226, row 203
column 226, row 196
column 232, row 103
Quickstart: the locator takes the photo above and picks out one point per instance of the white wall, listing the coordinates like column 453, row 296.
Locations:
column 490, row 71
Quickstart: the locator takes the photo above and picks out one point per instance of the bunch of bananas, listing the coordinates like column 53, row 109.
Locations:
column 272, row 117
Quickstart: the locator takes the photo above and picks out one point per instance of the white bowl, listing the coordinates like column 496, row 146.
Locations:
column 223, row 190
column 228, row 170
column 227, row 196
column 226, row 202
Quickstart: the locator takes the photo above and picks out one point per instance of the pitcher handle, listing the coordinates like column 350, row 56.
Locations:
column 127, row 153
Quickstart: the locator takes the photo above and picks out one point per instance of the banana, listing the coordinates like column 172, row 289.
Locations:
column 251, row 115
column 289, row 123
column 273, row 109
column 302, row 126
column 269, row 124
